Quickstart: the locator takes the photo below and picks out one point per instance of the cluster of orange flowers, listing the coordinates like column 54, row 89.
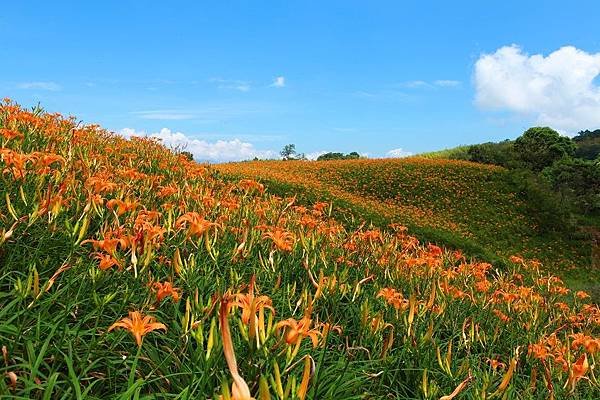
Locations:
column 447, row 195
column 135, row 208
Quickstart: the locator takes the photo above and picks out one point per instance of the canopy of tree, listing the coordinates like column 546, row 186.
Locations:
column 540, row 147
column 338, row 156
column 588, row 144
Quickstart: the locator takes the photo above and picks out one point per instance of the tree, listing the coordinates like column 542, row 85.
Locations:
column 338, row 156
column 578, row 181
column 540, row 147
column 588, row 144
column 501, row 153
column 288, row 152
column 187, row 155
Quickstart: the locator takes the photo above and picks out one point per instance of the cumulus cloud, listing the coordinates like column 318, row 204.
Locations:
column 50, row 86
column 556, row 90
column 398, row 153
column 278, row 82
column 218, row 151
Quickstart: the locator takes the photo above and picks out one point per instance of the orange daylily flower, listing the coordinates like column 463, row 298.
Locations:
column 138, row 325
column 9, row 134
column 165, row 289
column 434, row 250
column 249, row 185
column 282, row 239
column 106, row 261
column 100, row 184
column 122, row 206
column 197, row 225
column 250, row 305
column 582, row 295
column 47, row 159
column 516, row 259
column 495, row 364
column 578, row 371
column 590, row 344
column 108, row 245
column 394, row 298
column 298, row 330
column 166, row 191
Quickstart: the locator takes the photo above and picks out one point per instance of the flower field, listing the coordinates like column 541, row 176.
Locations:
column 460, row 203
column 128, row 271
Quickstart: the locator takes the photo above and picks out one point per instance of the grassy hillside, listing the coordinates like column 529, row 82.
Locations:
column 464, row 205
column 454, row 153
column 128, row 271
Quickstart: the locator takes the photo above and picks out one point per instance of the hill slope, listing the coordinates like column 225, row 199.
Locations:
column 128, row 271
column 466, row 205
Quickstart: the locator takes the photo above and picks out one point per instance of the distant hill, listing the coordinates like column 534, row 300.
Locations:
column 466, row 205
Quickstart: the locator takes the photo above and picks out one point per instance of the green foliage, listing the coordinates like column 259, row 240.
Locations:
column 540, row 147
column 542, row 204
column 571, row 182
column 455, row 153
column 501, row 153
column 288, row 152
column 187, row 155
column 338, row 156
column 577, row 181
column 588, row 144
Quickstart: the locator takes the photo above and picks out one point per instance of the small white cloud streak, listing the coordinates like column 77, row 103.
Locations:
column 218, row 151
column 232, row 84
column 49, row 86
column 447, row 83
column 416, row 84
column 278, row 82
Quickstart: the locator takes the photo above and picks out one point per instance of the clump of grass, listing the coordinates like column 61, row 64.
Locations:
column 454, row 153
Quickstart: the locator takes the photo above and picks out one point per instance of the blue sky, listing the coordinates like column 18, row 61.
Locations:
column 239, row 78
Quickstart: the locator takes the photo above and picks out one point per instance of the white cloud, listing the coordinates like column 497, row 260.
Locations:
column 398, row 153
column 218, row 151
column 416, row 84
column 446, row 83
column 556, row 90
column 211, row 112
column 315, row 154
column 232, row 84
column 50, row 86
column 278, row 82
column 420, row 84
